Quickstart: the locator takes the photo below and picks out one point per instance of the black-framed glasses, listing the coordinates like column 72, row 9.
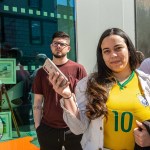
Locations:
column 55, row 44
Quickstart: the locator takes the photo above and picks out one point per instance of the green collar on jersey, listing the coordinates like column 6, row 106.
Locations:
column 122, row 86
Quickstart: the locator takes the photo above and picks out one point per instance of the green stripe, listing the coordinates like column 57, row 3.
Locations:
column 126, row 82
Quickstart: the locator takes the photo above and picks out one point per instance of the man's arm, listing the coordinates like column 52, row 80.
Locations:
column 37, row 109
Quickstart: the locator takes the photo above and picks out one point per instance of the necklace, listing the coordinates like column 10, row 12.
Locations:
column 122, row 86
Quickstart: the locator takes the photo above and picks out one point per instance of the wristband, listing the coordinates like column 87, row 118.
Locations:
column 68, row 97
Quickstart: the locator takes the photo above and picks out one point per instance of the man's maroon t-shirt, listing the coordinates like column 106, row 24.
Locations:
column 52, row 111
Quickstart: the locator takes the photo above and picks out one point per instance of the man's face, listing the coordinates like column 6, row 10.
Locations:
column 60, row 47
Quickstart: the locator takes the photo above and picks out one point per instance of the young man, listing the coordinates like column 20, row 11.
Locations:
column 52, row 131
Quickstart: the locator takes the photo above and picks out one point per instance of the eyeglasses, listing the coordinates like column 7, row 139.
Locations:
column 55, row 44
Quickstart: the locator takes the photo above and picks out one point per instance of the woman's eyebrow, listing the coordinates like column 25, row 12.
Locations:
column 118, row 45
column 105, row 48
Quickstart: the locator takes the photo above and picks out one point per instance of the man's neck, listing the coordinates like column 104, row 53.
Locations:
column 60, row 61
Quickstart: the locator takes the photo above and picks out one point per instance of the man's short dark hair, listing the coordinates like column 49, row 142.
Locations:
column 60, row 34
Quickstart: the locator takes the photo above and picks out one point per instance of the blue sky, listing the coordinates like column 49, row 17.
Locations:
column 64, row 2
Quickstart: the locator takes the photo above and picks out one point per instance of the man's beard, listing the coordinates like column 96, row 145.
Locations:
column 59, row 56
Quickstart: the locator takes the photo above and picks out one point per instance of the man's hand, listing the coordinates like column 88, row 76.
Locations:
column 56, row 79
column 141, row 135
column 36, row 125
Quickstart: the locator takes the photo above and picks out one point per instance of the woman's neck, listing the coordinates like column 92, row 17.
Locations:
column 121, row 76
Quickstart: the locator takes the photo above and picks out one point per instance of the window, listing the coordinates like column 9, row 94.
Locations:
column 36, row 37
column 34, row 3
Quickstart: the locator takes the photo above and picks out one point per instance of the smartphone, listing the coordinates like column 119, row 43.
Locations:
column 51, row 68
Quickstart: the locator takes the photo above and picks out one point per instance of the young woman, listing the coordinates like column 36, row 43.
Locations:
column 107, row 104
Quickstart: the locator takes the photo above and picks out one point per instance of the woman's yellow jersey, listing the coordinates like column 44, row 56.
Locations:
column 124, row 107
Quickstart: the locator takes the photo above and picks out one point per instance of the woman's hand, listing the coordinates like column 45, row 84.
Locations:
column 57, row 81
column 141, row 135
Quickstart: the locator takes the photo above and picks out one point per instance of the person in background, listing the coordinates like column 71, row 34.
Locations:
column 108, row 102
column 21, row 73
column 40, row 58
column 52, row 131
column 145, row 66
column 140, row 57
column 22, row 79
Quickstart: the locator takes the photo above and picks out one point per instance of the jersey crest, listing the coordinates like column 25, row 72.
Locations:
column 143, row 100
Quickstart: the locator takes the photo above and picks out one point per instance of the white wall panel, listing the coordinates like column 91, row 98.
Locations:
column 93, row 17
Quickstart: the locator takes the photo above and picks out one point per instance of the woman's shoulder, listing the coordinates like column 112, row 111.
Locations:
column 142, row 74
column 83, row 82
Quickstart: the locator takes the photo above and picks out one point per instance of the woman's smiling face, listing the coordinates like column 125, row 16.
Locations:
column 115, row 53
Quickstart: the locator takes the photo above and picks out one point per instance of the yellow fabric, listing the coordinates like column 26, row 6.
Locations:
column 124, row 107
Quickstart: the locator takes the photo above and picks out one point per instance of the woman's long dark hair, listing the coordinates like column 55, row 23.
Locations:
column 99, row 83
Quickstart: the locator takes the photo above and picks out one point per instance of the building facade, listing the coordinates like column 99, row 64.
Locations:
column 29, row 24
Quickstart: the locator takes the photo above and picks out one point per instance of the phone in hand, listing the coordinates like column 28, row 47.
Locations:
column 51, row 68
